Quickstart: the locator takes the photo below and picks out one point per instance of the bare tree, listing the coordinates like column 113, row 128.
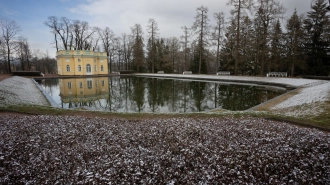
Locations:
column 107, row 37
column 127, row 41
column 24, row 54
column 81, row 34
column 185, row 42
column 217, row 35
column 10, row 29
column 62, row 28
column 152, row 29
column 200, row 27
column 173, row 45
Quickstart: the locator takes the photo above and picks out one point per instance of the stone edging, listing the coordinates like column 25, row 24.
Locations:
column 49, row 99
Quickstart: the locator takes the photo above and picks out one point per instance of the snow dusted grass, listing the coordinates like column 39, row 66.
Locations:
column 310, row 101
column 18, row 90
column 229, row 150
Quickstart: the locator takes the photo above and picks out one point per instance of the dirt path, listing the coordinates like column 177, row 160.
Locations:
column 4, row 76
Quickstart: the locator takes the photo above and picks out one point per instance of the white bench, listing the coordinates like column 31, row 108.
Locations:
column 277, row 74
column 223, row 73
column 160, row 72
column 187, row 72
column 115, row 72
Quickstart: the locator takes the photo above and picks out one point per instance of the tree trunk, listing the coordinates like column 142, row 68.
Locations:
column 237, row 36
column 8, row 59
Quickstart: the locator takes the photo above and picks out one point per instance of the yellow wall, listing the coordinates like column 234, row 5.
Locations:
column 82, row 58
column 83, row 89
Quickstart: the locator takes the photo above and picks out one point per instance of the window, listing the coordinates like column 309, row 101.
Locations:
column 80, row 84
column 89, row 84
column 102, row 69
column 88, row 68
column 79, row 67
column 69, row 85
column 102, row 82
column 68, row 68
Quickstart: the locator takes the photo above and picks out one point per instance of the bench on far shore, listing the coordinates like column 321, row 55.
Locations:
column 223, row 73
column 187, row 72
column 277, row 74
column 160, row 72
column 27, row 73
column 115, row 72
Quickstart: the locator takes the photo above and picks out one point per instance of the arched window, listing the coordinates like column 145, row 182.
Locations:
column 88, row 68
column 79, row 67
column 68, row 68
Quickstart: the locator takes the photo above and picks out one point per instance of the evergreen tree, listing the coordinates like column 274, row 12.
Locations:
column 198, row 66
column 317, row 42
column 294, row 40
column 138, row 53
column 276, row 48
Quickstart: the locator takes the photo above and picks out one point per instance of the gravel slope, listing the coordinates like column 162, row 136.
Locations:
column 229, row 150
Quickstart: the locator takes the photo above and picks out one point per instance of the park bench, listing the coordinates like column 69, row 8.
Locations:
column 160, row 72
column 115, row 72
column 223, row 73
column 187, row 72
column 27, row 73
column 277, row 74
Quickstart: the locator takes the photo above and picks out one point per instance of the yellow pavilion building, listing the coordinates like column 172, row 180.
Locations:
column 81, row 62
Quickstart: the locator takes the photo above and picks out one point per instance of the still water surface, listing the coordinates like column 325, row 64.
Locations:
column 140, row 94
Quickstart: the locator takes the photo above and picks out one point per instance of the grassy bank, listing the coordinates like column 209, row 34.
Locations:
column 321, row 121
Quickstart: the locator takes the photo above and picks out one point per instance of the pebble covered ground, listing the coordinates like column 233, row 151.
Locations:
column 227, row 150
column 18, row 90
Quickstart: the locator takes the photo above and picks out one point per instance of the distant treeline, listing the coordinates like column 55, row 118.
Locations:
column 253, row 40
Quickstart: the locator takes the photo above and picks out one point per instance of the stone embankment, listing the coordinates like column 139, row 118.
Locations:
column 19, row 91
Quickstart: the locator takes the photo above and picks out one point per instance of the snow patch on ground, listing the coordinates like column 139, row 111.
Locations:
column 18, row 90
column 312, row 95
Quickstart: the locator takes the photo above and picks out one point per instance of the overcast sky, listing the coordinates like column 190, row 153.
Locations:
column 118, row 15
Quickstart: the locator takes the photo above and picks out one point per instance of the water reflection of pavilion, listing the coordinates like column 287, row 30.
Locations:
column 78, row 92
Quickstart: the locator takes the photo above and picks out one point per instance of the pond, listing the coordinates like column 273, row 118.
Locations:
column 155, row 95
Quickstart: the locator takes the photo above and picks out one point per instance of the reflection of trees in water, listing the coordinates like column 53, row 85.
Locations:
column 153, row 95
column 136, row 94
column 198, row 94
column 49, row 85
column 237, row 97
column 138, row 86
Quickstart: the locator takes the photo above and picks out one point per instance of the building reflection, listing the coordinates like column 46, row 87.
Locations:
column 77, row 92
